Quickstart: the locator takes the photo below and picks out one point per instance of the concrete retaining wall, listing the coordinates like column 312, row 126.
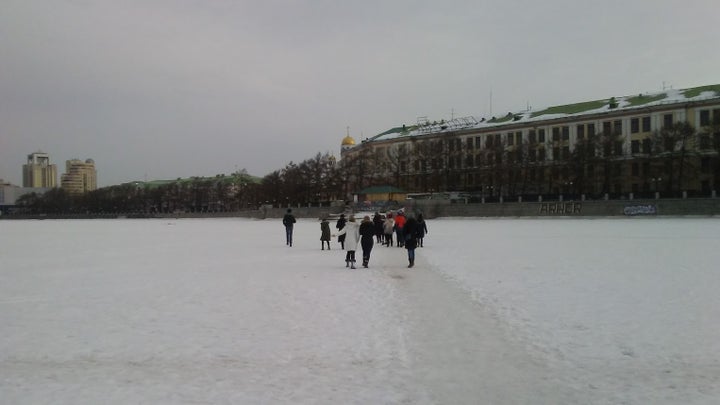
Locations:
column 702, row 207
column 440, row 208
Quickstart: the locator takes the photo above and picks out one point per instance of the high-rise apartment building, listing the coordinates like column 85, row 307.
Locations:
column 38, row 172
column 79, row 177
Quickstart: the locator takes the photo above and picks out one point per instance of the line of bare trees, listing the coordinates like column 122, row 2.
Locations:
column 313, row 181
column 673, row 159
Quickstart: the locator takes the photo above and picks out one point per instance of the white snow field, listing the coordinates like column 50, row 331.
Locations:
column 496, row 311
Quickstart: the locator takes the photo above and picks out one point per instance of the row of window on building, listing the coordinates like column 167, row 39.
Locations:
column 638, row 125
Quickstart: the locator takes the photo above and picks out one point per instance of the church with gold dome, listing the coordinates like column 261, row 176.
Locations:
column 347, row 143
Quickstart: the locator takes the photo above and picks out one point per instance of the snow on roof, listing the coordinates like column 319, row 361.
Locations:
column 672, row 96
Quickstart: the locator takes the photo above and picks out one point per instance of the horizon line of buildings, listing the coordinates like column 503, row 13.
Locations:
column 40, row 176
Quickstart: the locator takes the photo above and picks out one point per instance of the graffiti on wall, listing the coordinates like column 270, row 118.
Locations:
column 560, row 208
column 649, row 209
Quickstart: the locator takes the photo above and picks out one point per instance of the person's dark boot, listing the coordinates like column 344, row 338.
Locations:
column 412, row 262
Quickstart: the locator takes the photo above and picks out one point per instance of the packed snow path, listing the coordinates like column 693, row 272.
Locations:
column 459, row 353
column 221, row 311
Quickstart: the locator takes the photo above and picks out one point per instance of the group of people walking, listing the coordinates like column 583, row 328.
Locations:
column 409, row 232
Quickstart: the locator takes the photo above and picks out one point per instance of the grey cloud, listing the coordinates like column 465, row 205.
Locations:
column 180, row 88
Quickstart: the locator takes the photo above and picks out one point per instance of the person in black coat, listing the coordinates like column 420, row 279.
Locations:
column 367, row 233
column 410, row 232
column 379, row 232
column 422, row 229
column 324, row 233
column 288, row 221
column 340, row 224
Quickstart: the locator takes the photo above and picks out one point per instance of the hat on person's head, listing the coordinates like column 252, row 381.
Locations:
column 342, row 215
column 289, row 210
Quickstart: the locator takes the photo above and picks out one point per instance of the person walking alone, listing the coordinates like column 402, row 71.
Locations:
column 422, row 229
column 352, row 233
column 324, row 233
column 367, row 232
column 289, row 221
column 410, row 234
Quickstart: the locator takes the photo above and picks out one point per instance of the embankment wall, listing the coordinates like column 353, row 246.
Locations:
column 442, row 208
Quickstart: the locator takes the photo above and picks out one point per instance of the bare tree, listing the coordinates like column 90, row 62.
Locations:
column 421, row 155
column 671, row 146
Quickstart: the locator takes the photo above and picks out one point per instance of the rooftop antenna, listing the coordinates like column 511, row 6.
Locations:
column 452, row 114
column 491, row 102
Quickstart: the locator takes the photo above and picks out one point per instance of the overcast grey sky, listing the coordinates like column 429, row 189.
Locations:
column 178, row 88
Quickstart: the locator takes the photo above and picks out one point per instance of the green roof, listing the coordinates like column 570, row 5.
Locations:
column 221, row 178
column 665, row 97
column 572, row 108
column 641, row 99
column 696, row 91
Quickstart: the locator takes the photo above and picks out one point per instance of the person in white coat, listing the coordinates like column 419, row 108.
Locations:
column 352, row 237
column 388, row 227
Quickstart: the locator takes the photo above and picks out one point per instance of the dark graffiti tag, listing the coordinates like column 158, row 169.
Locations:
column 560, row 208
column 649, row 209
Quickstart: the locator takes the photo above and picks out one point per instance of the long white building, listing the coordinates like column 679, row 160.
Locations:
column 665, row 142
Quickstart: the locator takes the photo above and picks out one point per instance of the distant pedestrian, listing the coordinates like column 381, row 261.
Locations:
column 367, row 232
column 289, row 221
column 324, row 233
column 352, row 232
column 388, row 227
column 410, row 234
column 399, row 225
column 422, row 229
column 378, row 224
column 340, row 224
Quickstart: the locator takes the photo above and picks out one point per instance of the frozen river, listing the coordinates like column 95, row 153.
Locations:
column 502, row 311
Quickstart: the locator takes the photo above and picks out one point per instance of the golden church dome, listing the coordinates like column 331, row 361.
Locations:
column 348, row 141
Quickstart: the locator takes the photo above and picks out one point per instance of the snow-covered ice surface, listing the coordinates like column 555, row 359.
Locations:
column 496, row 311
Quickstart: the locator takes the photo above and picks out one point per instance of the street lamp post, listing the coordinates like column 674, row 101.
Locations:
column 657, row 180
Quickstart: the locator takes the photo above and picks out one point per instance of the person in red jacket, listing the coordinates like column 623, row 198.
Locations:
column 399, row 225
